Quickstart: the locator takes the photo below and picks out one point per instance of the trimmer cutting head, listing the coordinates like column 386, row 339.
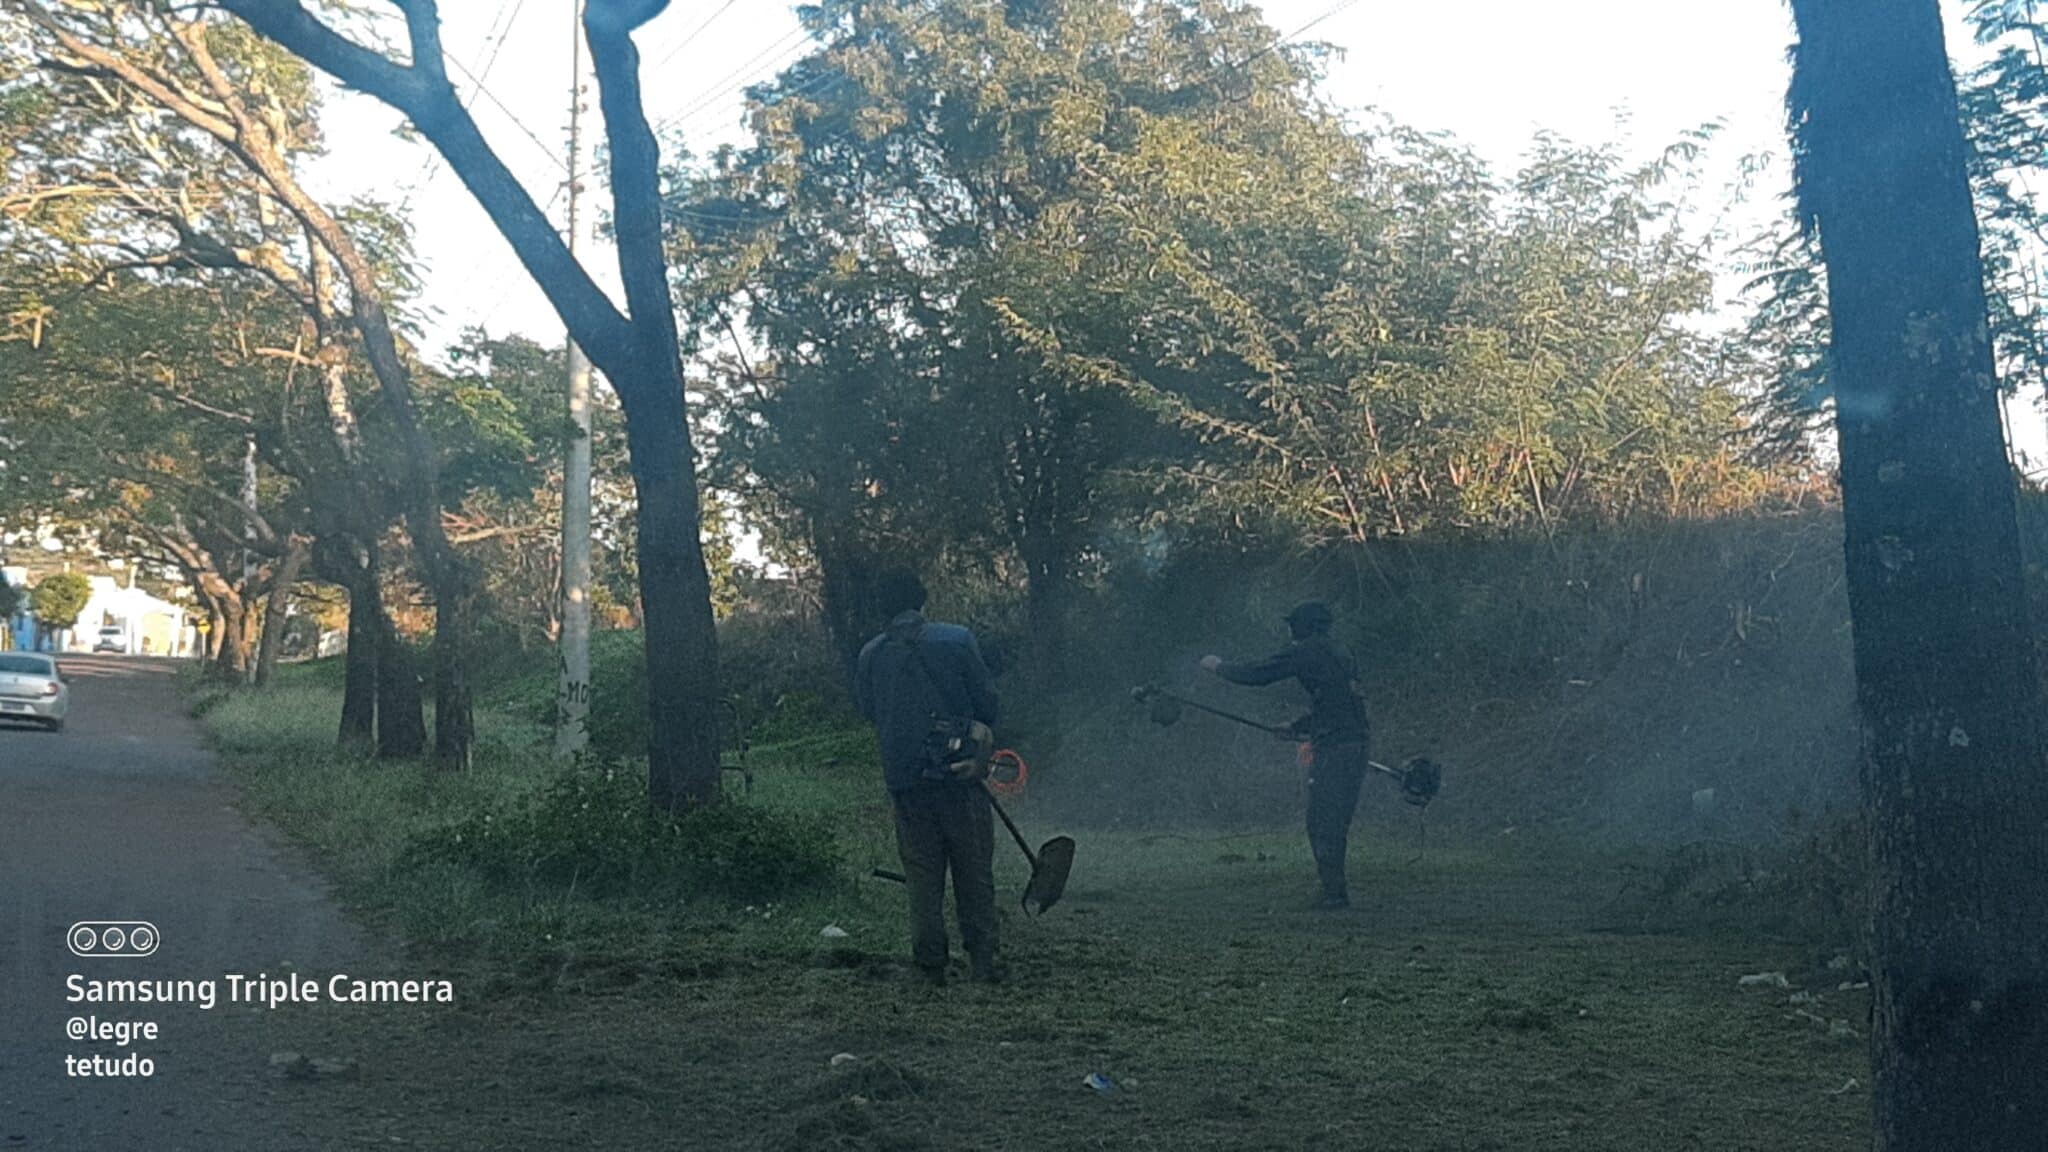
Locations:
column 1421, row 780
column 1160, row 707
column 1049, row 875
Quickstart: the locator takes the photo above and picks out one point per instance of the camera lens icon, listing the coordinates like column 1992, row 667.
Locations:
column 107, row 939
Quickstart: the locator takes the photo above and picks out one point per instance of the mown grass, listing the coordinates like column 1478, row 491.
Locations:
column 1471, row 1001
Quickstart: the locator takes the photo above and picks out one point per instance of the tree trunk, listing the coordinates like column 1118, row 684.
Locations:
column 1047, row 579
column 639, row 354
column 675, row 595
column 675, row 588
column 231, row 658
column 454, row 711
column 353, row 555
column 448, row 577
column 1953, row 769
column 275, row 607
column 214, row 628
column 359, row 663
column 846, row 593
column 401, row 714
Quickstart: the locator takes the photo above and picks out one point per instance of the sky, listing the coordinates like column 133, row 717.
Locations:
column 1491, row 72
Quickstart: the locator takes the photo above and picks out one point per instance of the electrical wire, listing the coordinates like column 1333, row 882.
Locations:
column 719, row 92
column 828, row 75
column 482, row 319
column 497, row 37
column 499, row 32
column 715, row 97
column 529, row 133
column 686, row 41
column 1327, row 13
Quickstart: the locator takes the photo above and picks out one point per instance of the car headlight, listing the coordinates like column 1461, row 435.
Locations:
column 52, row 688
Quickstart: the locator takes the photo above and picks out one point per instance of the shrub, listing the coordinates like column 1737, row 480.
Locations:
column 1814, row 887
column 783, row 677
column 779, row 676
column 1823, row 888
column 618, row 702
column 592, row 831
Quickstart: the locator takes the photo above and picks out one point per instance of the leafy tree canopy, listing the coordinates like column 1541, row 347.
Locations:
column 59, row 598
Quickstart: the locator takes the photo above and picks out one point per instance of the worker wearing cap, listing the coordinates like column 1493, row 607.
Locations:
column 1338, row 734
column 928, row 693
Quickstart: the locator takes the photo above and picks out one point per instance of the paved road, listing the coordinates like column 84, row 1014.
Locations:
column 123, row 817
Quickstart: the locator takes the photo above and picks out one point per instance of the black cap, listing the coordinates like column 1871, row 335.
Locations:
column 1310, row 618
column 898, row 590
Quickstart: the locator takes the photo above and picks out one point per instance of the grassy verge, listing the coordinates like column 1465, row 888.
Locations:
column 1471, row 1001
column 383, row 833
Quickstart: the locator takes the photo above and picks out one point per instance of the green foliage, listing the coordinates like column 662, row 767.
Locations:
column 618, row 721
column 59, row 598
column 1824, row 889
column 500, row 414
column 592, row 831
column 1462, row 358
column 156, row 296
column 1814, row 888
column 1157, row 291
column 2004, row 107
column 781, row 675
column 11, row 600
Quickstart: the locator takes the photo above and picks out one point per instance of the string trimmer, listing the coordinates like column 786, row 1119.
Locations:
column 1421, row 779
column 1050, row 865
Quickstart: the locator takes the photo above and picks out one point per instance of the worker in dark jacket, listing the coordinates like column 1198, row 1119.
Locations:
column 926, row 690
column 1338, row 735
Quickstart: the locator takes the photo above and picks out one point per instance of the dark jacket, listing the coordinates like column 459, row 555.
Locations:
column 901, row 696
column 1336, row 710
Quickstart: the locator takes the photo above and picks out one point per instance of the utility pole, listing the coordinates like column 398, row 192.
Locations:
column 250, row 506
column 572, row 691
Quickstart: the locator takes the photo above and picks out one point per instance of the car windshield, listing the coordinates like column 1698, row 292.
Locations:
column 27, row 665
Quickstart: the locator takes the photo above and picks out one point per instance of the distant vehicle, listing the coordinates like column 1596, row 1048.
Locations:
column 32, row 689
column 113, row 638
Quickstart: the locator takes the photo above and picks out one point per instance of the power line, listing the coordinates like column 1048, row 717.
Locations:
column 736, row 102
column 686, row 41
column 1327, row 13
column 498, row 44
column 509, row 283
column 495, row 36
column 510, row 115
column 718, row 91
column 697, row 109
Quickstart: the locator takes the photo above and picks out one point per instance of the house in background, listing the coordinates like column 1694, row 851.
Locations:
column 19, row 630
column 150, row 625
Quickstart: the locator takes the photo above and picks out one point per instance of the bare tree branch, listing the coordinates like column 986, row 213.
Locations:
column 426, row 97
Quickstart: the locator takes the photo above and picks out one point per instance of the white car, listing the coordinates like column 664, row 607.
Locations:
column 112, row 638
column 32, row 689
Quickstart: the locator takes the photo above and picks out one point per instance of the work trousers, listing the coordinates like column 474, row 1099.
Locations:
column 943, row 826
column 1336, row 773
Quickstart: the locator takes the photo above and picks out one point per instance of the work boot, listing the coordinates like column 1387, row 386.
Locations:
column 1332, row 902
column 932, row 977
column 988, row 970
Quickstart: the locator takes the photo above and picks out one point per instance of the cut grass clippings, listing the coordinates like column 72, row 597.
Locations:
column 1467, row 1002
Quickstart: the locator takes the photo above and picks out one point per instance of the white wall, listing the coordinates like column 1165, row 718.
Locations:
column 127, row 607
